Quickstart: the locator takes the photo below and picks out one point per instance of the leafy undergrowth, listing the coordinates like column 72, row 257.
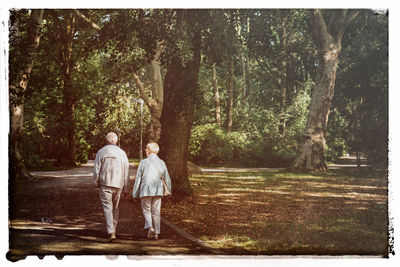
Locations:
column 282, row 213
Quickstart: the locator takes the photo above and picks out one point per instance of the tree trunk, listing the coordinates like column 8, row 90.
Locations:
column 216, row 96
column 247, row 76
column 246, row 71
column 69, row 94
column 70, row 124
column 282, row 81
column 180, row 86
column 328, row 41
column 358, row 157
column 17, row 91
column 155, row 102
column 311, row 156
column 157, row 89
column 230, row 98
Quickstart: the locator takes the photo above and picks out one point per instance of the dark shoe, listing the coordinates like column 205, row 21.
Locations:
column 111, row 238
column 150, row 233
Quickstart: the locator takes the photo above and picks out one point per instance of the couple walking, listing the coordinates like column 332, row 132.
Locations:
column 111, row 175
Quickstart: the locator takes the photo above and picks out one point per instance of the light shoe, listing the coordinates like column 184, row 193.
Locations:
column 111, row 238
column 155, row 236
column 150, row 233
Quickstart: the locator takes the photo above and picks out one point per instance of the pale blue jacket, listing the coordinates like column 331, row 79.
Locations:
column 148, row 182
column 111, row 167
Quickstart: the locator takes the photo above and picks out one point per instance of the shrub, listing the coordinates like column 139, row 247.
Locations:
column 209, row 144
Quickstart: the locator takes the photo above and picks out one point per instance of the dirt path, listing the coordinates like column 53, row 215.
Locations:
column 59, row 213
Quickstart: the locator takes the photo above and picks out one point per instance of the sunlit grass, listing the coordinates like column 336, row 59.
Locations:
column 276, row 211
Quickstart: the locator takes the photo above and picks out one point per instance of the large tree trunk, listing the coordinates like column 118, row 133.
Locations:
column 180, row 86
column 328, row 40
column 216, row 96
column 311, row 156
column 229, row 122
column 17, row 91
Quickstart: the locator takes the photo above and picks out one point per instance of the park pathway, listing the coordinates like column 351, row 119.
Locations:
column 59, row 213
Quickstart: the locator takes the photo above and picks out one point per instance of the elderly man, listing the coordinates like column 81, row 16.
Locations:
column 111, row 174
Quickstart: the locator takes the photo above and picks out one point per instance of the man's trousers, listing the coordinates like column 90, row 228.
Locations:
column 110, row 197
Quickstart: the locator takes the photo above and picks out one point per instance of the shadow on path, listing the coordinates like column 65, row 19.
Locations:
column 59, row 213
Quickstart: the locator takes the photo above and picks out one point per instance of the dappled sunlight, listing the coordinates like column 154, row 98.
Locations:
column 56, row 247
column 342, row 186
column 230, row 240
column 228, row 195
column 249, row 190
column 236, row 170
column 254, row 202
column 66, row 244
column 285, row 209
column 240, row 224
column 66, row 217
column 233, row 196
column 359, row 196
column 245, row 178
column 235, row 211
column 230, row 200
column 19, row 224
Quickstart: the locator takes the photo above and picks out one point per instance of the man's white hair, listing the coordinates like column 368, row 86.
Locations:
column 112, row 138
column 153, row 147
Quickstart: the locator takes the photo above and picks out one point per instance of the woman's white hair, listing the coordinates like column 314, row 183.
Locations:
column 153, row 147
column 112, row 138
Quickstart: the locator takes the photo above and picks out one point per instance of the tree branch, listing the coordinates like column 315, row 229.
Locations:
column 348, row 21
column 91, row 23
column 143, row 94
column 351, row 18
column 320, row 29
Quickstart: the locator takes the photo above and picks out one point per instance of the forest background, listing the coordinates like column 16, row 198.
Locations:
column 235, row 85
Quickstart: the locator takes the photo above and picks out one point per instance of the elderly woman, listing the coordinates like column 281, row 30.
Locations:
column 149, row 188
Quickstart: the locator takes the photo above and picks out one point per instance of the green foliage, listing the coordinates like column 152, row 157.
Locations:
column 208, row 144
column 268, row 120
column 359, row 119
column 211, row 145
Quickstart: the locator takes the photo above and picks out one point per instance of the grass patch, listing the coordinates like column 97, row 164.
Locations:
column 281, row 212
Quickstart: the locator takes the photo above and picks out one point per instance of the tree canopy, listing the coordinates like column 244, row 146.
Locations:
column 254, row 69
